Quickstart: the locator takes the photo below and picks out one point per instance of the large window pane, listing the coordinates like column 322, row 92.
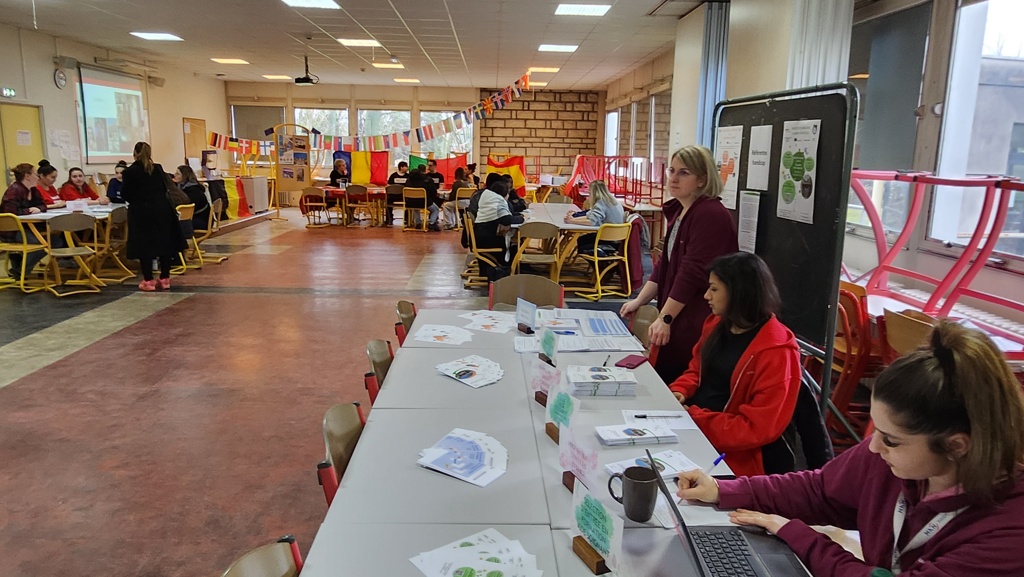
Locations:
column 328, row 121
column 611, row 133
column 660, row 133
column 251, row 122
column 374, row 122
column 626, row 130
column 982, row 130
column 454, row 142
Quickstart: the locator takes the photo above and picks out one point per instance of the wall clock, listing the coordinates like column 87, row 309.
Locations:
column 60, row 78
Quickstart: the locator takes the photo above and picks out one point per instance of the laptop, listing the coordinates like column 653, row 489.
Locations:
column 733, row 552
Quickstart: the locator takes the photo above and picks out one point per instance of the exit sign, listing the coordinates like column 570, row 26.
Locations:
column 8, row 93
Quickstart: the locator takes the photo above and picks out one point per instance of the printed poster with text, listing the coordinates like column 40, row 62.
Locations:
column 797, row 176
column 727, row 158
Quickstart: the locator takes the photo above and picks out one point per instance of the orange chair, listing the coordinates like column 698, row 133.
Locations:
column 342, row 426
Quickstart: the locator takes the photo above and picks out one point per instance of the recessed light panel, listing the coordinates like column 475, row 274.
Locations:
column 544, row 69
column 330, row 4
column 388, row 65
column 408, row 80
column 558, row 47
column 164, row 36
column 538, row 84
column 357, row 42
column 229, row 61
column 277, row 77
column 581, row 9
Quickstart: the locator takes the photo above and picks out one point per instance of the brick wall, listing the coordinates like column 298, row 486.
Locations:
column 552, row 125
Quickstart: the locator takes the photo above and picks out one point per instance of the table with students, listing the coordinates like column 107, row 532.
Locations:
column 389, row 509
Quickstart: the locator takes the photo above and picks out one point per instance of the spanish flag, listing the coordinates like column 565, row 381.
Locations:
column 513, row 165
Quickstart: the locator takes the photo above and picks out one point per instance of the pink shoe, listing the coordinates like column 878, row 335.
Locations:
column 165, row 284
column 147, row 286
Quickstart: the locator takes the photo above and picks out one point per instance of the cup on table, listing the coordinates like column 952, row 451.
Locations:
column 639, row 492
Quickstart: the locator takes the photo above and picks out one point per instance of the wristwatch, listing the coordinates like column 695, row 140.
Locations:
column 667, row 319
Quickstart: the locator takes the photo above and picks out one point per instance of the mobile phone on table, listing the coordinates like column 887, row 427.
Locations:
column 632, row 361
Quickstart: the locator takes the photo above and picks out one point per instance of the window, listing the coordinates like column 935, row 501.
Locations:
column 662, row 117
column 328, row 121
column 251, row 122
column 386, row 122
column 454, row 142
column 983, row 122
column 611, row 133
column 626, row 130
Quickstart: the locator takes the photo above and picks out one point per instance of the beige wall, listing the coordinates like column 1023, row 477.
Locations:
column 27, row 66
column 686, row 78
column 655, row 75
column 759, row 33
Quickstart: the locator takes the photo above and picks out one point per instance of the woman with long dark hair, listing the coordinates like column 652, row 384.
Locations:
column 742, row 383
column 153, row 230
column 937, row 490
column 76, row 188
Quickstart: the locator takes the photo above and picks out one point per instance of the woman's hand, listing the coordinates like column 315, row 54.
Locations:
column 771, row 523
column 629, row 309
column 679, row 397
column 33, row 210
column 104, row 200
column 659, row 332
column 696, row 485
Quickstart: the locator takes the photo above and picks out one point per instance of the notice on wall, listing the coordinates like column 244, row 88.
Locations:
column 727, row 158
column 797, row 170
column 758, row 157
column 24, row 138
column 750, row 204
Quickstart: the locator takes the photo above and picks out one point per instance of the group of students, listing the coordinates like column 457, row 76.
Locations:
column 937, row 490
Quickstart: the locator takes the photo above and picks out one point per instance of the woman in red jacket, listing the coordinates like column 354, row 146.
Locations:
column 76, row 188
column 937, row 491
column 742, row 383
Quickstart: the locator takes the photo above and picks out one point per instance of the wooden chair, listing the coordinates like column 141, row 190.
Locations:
column 314, row 206
column 542, row 192
column 380, row 354
column 185, row 212
column 409, row 213
column 71, row 226
column 406, row 315
column 113, row 243
column 608, row 233
column 201, row 236
column 904, row 333
column 538, row 290
column 11, row 223
column 487, row 255
column 556, row 198
column 393, row 190
column 357, row 198
column 280, row 559
column 642, row 321
column 548, row 235
column 342, row 426
column 464, row 193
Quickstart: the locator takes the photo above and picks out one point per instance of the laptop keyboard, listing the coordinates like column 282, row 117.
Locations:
column 725, row 553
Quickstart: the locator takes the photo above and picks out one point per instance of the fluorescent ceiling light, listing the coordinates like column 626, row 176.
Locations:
column 331, row 4
column 543, row 69
column 229, row 61
column 277, row 77
column 860, row 76
column 359, row 42
column 388, row 65
column 157, row 36
column 408, row 80
column 558, row 47
column 581, row 9
column 540, row 84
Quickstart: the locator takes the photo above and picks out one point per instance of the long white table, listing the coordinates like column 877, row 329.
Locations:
column 389, row 509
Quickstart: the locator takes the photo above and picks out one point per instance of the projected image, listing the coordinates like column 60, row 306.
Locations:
column 113, row 114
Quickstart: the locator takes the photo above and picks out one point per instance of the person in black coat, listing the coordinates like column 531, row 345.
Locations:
column 186, row 180
column 153, row 230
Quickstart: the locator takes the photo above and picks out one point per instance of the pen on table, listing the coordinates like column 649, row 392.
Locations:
column 708, row 469
column 605, row 363
column 655, row 416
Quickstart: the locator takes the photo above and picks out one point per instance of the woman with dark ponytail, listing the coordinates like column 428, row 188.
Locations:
column 47, row 176
column 153, row 230
column 938, row 490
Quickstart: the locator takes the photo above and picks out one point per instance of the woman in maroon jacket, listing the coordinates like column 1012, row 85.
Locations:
column 21, row 198
column 743, row 380
column 700, row 229
column 938, row 490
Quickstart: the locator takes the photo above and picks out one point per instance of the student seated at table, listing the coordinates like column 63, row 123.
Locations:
column 601, row 207
column 47, row 176
column 491, row 227
column 76, row 188
column 474, row 202
column 418, row 178
column 434, row 175
column 937, row 490
column 400, row 176
column 114, row 184
column 185, row 179
column 21, row 198
column 516, row 203
column 340, row 176
column 471, row 174
column 451, row 214
column 742, row 383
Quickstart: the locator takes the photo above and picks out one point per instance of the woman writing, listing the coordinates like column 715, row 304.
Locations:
column 742, row 383
column 155, row 233
column 700, row 229
column 47, row 176
column 938, row 490
column 601, row 207
column 76, row 188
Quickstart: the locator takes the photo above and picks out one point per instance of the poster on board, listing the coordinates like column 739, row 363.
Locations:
column 797, row 175
column 758, row 158
column 292, row 161
column 727, row 157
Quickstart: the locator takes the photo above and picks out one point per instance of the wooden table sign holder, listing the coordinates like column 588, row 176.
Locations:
column 541, row 397
column 552, row 430
column 568, row 480
column 591, row 558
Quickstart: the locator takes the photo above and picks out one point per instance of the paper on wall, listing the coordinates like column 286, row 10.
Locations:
column 750, row 205
column 24, row 138
column 759, row 156
column 727, row 158
column 797, row 170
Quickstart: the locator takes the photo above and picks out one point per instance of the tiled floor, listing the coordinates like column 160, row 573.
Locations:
column 165, row 434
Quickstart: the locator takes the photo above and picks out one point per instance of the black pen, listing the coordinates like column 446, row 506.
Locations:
column 605, row 364
column 655, row 416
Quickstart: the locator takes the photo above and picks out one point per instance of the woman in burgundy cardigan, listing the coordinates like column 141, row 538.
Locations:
column 700, row 230
column 938, row 490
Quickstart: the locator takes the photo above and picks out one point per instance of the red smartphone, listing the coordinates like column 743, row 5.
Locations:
column 632, row 361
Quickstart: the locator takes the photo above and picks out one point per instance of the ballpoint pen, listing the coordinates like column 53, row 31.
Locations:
column 605, row 364
column 707, row 470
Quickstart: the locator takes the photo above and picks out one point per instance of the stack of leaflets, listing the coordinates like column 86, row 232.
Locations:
column 484, row 554
column 467, row 455
column 474, row 370
column 444, row 334
column 490, row 321
column 568, row 343
column 623, row 435
column 669, row 464
column 587, row 381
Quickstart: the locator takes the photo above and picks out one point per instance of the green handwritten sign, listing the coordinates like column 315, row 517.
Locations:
column 560, row 409
column 548, row 343
column 595, row 524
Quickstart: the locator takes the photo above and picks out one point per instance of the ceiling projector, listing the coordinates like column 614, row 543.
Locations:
column 307, row 78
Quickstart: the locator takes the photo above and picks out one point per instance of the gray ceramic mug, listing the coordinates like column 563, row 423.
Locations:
column 639, row 492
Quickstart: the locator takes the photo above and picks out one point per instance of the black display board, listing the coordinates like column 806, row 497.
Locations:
column 806, row 259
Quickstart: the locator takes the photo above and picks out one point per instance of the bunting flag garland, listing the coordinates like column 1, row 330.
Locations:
column 488, row 106
column 265, row 147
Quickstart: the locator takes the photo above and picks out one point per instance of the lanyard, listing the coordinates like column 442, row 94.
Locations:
column 899, row 515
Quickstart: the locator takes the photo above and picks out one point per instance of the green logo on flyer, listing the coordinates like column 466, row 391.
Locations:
column 788, row 191
column 787, row 160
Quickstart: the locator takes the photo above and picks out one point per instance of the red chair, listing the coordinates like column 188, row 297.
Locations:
column 343, row 424
column 406, row 315
column 280, row 559
column 381, row 355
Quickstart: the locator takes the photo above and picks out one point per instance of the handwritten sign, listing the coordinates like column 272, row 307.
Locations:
column 526, row 314
column 542, row 376
column 575, row 458
column 561, row 406
column 599, row 526
column 548, row 341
